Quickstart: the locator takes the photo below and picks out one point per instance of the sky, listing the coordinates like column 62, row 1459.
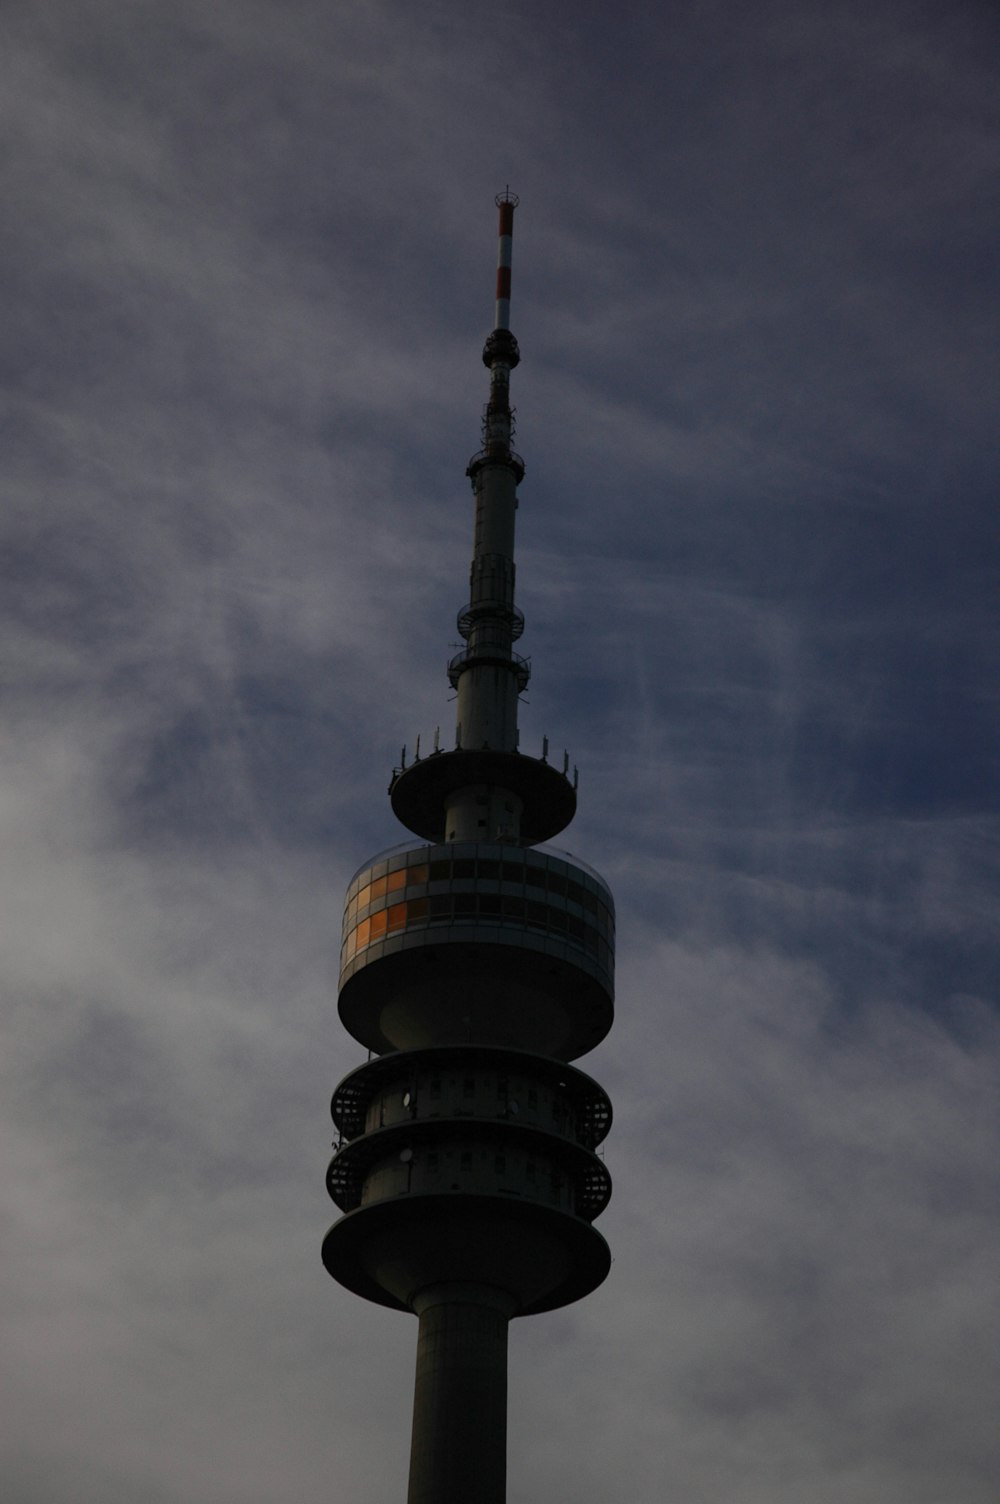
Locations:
column 247, row 269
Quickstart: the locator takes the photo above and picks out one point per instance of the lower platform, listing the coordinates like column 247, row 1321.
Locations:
column 388, row 1252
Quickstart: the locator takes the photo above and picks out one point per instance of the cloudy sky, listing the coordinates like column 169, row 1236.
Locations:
column 247, row 270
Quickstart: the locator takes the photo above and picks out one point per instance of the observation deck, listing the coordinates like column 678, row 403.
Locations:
column 476, row 1162
column 478, row 943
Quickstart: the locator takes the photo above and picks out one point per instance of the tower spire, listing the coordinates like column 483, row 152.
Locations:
column 486, row 788
column 474, row 969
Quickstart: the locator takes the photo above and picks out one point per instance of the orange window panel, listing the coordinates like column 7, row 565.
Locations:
column 378, row 923
column 397, row 916
column 378, row 887
column 362, row 932
column 395, row 880
column 364, row 896
column 416, row 875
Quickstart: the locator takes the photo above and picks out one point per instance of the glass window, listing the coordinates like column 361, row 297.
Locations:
column 417, row 908
column 534, row 877
column 465, row 868
column 378, row 923
column 514, row 907
column 574, row 892
column 397, row 916
column 378, row 888
column 362, row 932
column 490, row 870
column 416, row 875
column 489, row 903
column 557, row 883
column 396, row 880
column 441, row 904
column 440, row 872
column 364, row 896
column 512, row 872
column 537, row 914
column 465, row 903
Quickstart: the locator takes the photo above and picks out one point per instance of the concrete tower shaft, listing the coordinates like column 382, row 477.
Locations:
column 474, row 968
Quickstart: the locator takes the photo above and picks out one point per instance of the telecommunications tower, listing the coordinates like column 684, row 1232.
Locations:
column 476, row 964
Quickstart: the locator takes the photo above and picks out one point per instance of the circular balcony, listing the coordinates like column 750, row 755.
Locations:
column 487, row 657
column 491, row 609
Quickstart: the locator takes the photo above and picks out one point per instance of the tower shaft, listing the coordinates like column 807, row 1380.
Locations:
column 459, row 1448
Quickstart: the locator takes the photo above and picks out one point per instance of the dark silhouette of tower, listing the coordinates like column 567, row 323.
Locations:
column 476, row 965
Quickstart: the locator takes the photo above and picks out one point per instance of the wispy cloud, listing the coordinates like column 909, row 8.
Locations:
column 247, row 271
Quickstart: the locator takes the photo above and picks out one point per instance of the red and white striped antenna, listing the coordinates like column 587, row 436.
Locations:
column 506, row 202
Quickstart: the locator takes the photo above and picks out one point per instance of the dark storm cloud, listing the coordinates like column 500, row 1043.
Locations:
column 247, row 271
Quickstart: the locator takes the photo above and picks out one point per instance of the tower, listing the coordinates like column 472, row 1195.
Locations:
column 476, row 965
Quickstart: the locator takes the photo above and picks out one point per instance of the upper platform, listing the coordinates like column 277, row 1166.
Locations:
column 420, row 792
